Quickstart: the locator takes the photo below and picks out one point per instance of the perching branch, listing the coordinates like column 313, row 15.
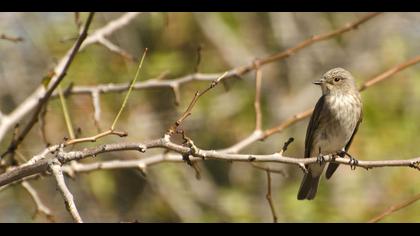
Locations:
column 197, row 154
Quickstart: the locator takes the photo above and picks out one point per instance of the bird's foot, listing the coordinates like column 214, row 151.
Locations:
column 342, row 154
column 320, row 159
column 353, row 161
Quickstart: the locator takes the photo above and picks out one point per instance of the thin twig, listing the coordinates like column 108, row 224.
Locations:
column 257, row 102
column 11, row 38
column 42, row 122
column 277, row 171
column 197, row 95
column 317, row 38
column 66, row 113
column 95, row 137
column 286, row 145
column 129, row 90
column 114, row 48
column 268, row 197
column 97, row 109
column 40, row 206
column 389, row 73
column 395, row 208
column 65, row 192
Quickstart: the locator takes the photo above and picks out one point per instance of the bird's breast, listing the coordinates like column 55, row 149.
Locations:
column 337, row 123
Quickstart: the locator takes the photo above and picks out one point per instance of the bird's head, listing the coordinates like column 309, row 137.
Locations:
column 337, row 81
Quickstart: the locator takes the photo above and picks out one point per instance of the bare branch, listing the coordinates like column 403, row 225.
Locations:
column 11, row 38
column 109, row 28
column 114, row 48
column 290, row 121
column 385, row 75
column 269, row 199
column 65, row 192
column 197, row 95
column 96, row 103
column 66, row 113
column 40, row 206
column 95, row 137
column 257, row 102
column 395, row 208
column 235, row 72
column 60, row 73
column 41, row 165
column 99, row 36
column 129, row 90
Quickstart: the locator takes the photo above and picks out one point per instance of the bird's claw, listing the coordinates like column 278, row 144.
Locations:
column 320, row 159
column 342, row 154
column 353, row 162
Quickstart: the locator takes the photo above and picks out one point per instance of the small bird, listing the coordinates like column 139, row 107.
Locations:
column 332, row 127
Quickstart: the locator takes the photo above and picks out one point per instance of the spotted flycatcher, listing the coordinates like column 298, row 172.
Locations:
column 332, row 127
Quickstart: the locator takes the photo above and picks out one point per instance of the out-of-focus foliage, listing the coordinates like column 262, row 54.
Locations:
column 227, row 192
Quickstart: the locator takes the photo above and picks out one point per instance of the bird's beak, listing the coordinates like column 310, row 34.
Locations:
column 319, row 82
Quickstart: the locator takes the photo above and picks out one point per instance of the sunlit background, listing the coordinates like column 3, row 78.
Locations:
column 227, row 192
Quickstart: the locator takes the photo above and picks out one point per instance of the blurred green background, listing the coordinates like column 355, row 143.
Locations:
column 227, row 192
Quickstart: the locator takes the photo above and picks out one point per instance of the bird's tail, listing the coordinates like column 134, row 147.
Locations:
column 308, row 187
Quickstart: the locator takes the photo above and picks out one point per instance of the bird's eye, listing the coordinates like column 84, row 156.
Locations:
column 337, row 79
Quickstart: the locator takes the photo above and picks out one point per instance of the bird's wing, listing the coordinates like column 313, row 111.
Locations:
column 332, row 167
column 355, row 131
column 313, row 125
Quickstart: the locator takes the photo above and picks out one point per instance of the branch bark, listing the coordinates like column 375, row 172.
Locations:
column 195, row 153
column 65, row 192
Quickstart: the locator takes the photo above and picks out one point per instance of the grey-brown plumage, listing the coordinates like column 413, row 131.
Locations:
column 332, row 126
